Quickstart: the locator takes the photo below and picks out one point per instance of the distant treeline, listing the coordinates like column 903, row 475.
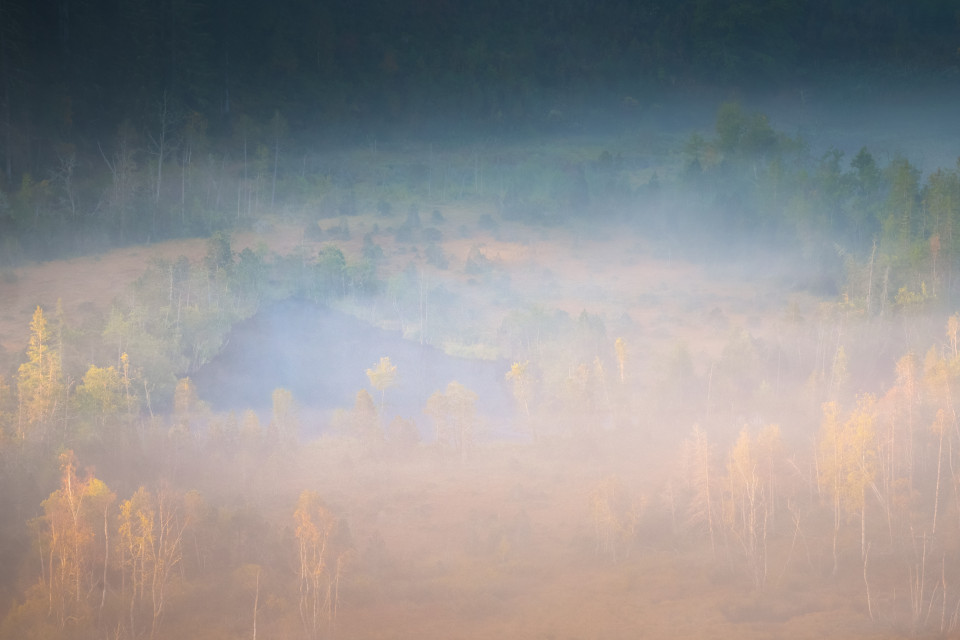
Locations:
column 72, row 70
column 883, row 232
column 140, row 121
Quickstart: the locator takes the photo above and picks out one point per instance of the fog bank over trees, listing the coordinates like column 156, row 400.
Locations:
column 440, row 319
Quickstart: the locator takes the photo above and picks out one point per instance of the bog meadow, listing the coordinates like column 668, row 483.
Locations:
column 546, row 330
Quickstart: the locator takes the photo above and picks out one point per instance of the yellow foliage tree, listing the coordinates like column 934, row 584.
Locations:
column 900, row 439
column 284, row 424
column 322, row 554
column 69, row 546
column 454, row 413
column 364, row 420
column 615, row 516
column 40, row 380
column 186, row 402
column 698, row 454
column 151, row 542
column 101, row 391
column 100, row 395
column 8, row 405
column 620, row 346
column 746, row 513
column 136, row 524
column 848, row 462
column 382, row 376
column 937, row 379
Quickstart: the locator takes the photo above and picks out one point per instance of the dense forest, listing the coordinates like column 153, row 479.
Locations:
column 728, row 342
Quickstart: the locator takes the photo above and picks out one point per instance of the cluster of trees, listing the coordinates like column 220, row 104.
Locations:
column 884, row 233
column 94, row 563
column 163, row 176
column 452, row 410
column 171, row 321
column 126, row 548
column 877, row 497
column 859, row 487
column 879, row 481
column 807, row 464
column 118, row 567
column 109, row 565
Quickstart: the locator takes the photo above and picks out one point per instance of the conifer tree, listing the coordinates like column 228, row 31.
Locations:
column 40, row 381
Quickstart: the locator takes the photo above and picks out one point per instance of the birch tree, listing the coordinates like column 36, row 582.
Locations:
column 848, row 464
column 285, row 422
column 151, row 546
column 454, row 413
column 746, row 514
column 322, row 553
column 72, row 560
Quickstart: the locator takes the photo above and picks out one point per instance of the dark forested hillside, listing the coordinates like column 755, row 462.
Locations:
column 110, row 60
column 125, row 121
column 72, row 70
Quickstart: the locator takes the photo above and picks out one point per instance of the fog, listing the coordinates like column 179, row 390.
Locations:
column 321, row 355
column 548, row 319
column 624, row 384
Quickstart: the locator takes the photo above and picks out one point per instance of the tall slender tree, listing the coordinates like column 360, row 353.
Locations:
column 382, row 376
column 322, row 554
column 40, row 381
column 69, row 542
